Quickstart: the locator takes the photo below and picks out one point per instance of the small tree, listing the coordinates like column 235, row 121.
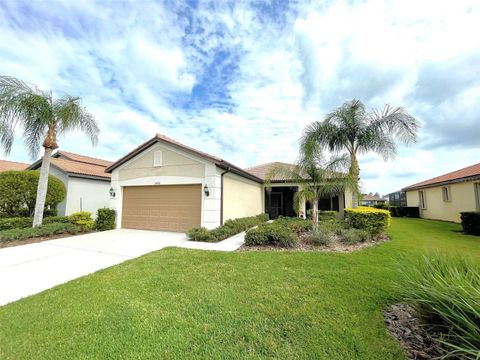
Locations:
column 42, row 118
column 315, row 177
column 18, row 192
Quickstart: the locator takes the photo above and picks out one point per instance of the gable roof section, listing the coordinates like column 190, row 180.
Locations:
column 77, row 165
column 367, row 197
column 469, row 173
column 262, row 171
column 165, row 139
column 12, row 165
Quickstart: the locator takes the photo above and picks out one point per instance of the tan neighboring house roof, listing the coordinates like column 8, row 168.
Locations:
column 165, row 139
column 372, row 198
column 12, row 165
column 262, row 171
column 78, row 165
column 469, row 173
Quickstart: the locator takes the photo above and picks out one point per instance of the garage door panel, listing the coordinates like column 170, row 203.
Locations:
column 162, row 207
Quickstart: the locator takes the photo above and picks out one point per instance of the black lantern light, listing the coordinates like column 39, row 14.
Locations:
column 112, row 192
column 206, row 190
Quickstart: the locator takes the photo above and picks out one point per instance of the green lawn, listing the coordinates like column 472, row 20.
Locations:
column 178, row 303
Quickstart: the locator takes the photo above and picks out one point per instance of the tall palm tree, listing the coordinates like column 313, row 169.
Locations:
column 41, row 118
column 315, row 176
column 351, row 129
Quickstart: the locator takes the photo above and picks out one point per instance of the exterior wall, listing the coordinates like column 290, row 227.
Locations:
column 177, row 168
column 241, row 197
column 86, row 195
column 462, row 199
column 61, row 208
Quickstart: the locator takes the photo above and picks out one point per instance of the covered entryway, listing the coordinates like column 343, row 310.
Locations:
column 162, row 207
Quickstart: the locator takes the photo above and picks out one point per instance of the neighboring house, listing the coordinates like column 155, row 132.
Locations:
column 85, row 179
column 12, row 165
column 165, row 185
column 445, row 196
column 397, row 198
column 371, row 200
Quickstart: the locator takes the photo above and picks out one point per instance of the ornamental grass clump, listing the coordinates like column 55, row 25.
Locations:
column 446, row 293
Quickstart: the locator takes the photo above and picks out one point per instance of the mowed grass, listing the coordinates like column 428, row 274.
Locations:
column 178, row 303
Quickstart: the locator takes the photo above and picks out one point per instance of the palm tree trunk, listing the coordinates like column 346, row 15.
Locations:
column 315, row 213
column 355, row 174
column 42, row 188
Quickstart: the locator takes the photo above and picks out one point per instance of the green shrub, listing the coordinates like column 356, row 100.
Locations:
column 105, row 219
column 320, row 237
column 405, row 211
column 39, row 231
column 471, row 222
column 25, row 222
column 446, row 292
column 18, row 192
column 200, row 234
column 274, row 234
column 229, row 228
column 83, row 219
column 353, row 236
column 375, row 221
column 297, row 225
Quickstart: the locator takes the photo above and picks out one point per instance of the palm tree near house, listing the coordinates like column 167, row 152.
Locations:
column 352, row 130
column 41, row 118
column 315, row 176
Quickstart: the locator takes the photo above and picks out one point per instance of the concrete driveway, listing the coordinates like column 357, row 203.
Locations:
column 29, row 269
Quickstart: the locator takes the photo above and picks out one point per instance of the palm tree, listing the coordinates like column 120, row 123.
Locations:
column 42, row 118
column 351, row 129
column 315, row 177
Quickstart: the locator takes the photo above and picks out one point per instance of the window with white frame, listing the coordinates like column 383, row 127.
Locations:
column 446, row 194
column 477, row 195
column 157, row 158
column 423, row 202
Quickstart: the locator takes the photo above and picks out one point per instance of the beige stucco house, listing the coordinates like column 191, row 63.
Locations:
column 85, row 179
column 445, row 196
column 165, row 185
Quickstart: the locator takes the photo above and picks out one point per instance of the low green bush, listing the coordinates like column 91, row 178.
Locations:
column 471, row 222
column 320, row 237
column 201, row 234
column 25, row 222
column 375, row 221
column 298, row 225
column 446, row 292
column 105, row 219
column 353, row 236
column 83, row 219
column 229, row 228
column 274, row 234
column 39, row 231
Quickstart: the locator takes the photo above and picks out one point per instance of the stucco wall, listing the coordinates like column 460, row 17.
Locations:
column 64, row 178
column 462, row 199
column 86, row 195
column 173, row 164
column 241, row 197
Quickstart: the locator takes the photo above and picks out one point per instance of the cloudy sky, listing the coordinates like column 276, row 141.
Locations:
column 241, row 79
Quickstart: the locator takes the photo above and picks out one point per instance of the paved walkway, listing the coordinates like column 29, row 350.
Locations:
column 29, row 269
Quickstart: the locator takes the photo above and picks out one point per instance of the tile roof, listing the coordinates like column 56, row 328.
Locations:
column 262, row 170
column 12, row 165
column 80, row 168
column 372, row 198
column 160, row 137
column 454, row 176
column 83, row 158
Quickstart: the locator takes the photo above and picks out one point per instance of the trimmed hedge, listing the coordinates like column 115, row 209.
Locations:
column 375, row 221
column 83, row 219
column 39, row 231
column 471, row 222
column 229, row 228
column 405, row 211
column 273, row 234
column 26, row 222
column 105, row 219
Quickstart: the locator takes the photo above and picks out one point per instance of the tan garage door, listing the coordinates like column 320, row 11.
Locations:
column 162, row 207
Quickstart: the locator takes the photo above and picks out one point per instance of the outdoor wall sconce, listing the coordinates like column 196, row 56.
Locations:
column 112, row 192
column 206, row 190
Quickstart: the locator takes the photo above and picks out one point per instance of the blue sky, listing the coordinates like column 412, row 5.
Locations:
column 241, row 79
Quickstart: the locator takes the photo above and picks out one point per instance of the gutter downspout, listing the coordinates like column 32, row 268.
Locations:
column 221, row 194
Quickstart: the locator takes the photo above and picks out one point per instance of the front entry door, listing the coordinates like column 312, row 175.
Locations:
column 276, row 205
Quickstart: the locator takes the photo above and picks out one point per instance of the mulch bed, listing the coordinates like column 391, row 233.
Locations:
column 404, row 324
column 33, row 240
column 334, row 247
